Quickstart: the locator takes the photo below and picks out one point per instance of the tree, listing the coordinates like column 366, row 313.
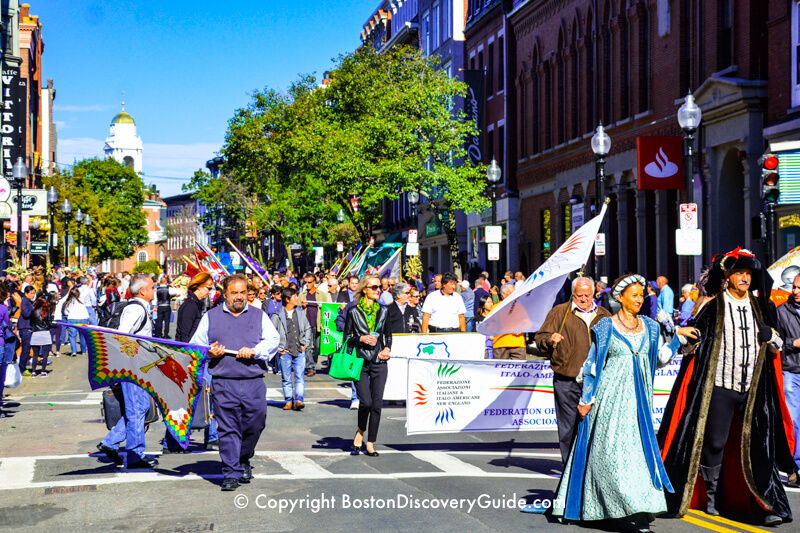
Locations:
column 113, row 195
column 148, row 267
column 382, row 125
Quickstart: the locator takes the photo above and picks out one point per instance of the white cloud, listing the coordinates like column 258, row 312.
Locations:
column 176, row 162
column 81, row 109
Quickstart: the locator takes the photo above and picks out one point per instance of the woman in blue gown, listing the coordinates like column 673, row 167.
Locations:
column 614, row 469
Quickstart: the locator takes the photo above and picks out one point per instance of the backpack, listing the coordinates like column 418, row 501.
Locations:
column 112, row 315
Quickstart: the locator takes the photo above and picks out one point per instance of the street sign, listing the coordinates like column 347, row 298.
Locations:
column 412, row 235
column 412, row 248
column 689, row 241
column 235, row 259
column 39, row 248
column 493, row 234
column 339, row 246
column 600, row 244
column 34, row 202
column 494, row 251
column 319, row 255
column 688, row 216
column 5, row 189
column 578, row 216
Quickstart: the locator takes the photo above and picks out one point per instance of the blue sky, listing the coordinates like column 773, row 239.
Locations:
column 185, row 66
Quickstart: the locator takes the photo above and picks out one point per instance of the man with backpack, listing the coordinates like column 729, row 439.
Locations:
column 164, row 295
column 132, row 317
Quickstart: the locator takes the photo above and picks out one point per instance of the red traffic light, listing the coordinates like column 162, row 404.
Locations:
column 771, row 162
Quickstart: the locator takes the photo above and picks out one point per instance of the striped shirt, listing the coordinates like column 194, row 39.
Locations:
column 739, row 346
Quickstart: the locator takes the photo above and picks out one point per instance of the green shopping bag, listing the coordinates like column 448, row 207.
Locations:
column 345, row 366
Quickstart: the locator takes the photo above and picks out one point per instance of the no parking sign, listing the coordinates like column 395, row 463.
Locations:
column 688, row 216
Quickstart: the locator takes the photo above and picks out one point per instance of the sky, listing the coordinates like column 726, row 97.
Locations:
column 185, row 67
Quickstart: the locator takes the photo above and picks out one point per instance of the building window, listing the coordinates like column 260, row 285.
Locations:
column 426, row 32
column 490, row 71
column 447, row 21
column 535, row 103
column 644, row 60
column 726, row 34
column 566, row 225
column 548, row 106
column 142, row 257
column 626, row 68
column 436, row 24
column 545, row 237
column 590, row 81
column 796, row 54
column 501, row 66
column 501, row 149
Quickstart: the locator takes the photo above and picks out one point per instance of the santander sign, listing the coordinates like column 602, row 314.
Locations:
column 659, row 162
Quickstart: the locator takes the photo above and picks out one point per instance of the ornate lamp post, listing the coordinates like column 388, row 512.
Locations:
column 689, row 117
column 19, row 173
column 87, row 220
column 66, row 209
column 493, row 176
column 52, row 200
column 79, row 219
column 601, row 145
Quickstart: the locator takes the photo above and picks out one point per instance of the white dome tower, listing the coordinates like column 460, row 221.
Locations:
column 123, row 144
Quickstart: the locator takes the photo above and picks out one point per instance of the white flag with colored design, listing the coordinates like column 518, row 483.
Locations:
column 526, row 308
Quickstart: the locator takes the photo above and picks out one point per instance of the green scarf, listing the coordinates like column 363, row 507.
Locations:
column 370, row 312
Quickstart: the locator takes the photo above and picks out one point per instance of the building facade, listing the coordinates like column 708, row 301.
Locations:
column 183, row 227
column 31, row 47
column 49, row 133
column 156, row 248
column 122, row 143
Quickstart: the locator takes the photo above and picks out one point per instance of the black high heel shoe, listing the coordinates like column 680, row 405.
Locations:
column 370, row 454
column 355, row 450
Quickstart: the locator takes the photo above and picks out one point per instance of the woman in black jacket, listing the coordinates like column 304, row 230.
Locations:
column 41, row 342
column 191, row 310
column 366, row 329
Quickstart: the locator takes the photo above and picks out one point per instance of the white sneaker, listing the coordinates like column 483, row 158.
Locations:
column 354, row 404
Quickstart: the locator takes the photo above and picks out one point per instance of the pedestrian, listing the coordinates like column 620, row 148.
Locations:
column 479, row 292
column 89, row 298
column 24, row 328
column 367, row 331
column 238, row 392
column 386, row 292
column 75, row 312
column 262, row 295
column 789, row 328
column 508, row 279
column 41, row 322
column 311, row 299
column 687, row 304
column 485, row 305
column 567, row 348
column 295, row 336
column 402, row 317
column 413, row 301
column 136, row 320
column 614, row 469
column 252, row 295
column 347, row 296
column 443, row 310
column 509, row 345
column 275, row 303
column 519, row 277
column 468, row 295
column 666, row 296
column 724, row 386
column 434, row 285
column 8, row 343
column 650, row 304
column 164, row 295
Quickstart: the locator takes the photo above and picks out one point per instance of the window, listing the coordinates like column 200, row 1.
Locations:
column 436, row 23
column 490, row 72
column 644, row 61
column 609, row 94
column 590, row 81
column 501, row 65
column 548, row 106
column 447, row 20
column 501, row 149
column 141, row 257
column 566, row 217
column 795, row 53
column 425, row 31
column 626, row 68
column 545, row 236
column 725, row 57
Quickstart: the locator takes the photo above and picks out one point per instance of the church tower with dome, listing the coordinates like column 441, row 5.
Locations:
column 122, row 143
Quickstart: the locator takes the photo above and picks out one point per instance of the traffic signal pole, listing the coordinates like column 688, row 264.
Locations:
column 770, row 192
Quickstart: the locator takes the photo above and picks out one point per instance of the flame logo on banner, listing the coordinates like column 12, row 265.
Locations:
column 662, row 167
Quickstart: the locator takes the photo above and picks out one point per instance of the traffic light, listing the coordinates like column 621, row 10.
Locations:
column 769, row 179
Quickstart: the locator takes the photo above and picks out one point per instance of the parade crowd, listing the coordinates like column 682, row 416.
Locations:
column 728, row 431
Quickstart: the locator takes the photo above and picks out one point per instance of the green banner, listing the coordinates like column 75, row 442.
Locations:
column 331, row 339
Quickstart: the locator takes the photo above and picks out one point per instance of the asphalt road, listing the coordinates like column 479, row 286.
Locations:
column 304, row 478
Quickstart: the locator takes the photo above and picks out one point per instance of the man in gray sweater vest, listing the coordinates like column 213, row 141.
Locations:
column 238, row 392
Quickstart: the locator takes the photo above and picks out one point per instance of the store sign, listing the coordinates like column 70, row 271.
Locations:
column 38, row 248
column 689, row 242
column 412, row 248
column 14, row 117
column 474, row 104
column 431, row 229
column 659, row 162
column 578, row 217
column 493, row 234
column 34, row 202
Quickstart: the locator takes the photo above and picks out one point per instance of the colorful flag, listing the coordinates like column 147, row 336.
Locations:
column 209, row 261
column 330, row 337
column 376, row 258
column 170, row 371
column 391, row 268
column 191, row 268
column 526, row 308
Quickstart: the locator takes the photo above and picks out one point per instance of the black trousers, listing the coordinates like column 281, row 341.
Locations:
column 312, row 352
column 162, row 322
column 370, row 396
column 567, row 393
column 724, row 403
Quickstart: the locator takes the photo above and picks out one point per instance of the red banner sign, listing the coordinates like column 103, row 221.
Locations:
column 659, row 162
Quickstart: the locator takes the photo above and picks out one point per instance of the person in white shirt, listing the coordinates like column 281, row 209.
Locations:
column 89, row 298
column 75, row 312
column 444, row 310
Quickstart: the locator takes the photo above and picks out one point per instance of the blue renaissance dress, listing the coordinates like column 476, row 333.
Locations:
column 614, row 469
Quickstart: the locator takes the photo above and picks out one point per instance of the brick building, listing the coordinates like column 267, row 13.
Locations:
column 629, row 64
column 156, row 210
column 31, row 47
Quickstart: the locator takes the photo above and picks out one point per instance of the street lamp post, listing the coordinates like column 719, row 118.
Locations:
column 79, row 219
column 19, row 173
column 52, row 200
column 66, row 208
column 689, row 117
column 493, row 175
column 601, row 145
column 87, row 220
column 413, row 199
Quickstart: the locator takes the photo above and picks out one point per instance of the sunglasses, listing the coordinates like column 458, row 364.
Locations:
column 373, row 287
column 415, row 295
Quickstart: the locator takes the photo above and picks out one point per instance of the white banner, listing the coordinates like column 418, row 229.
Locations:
column 462, row 346
column 453, row 396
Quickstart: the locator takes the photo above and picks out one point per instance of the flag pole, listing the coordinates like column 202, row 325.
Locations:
column 244, row 258
column 351, row 262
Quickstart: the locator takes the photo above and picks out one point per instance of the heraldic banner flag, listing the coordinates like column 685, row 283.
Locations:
column 171, row 371
column 526, row 308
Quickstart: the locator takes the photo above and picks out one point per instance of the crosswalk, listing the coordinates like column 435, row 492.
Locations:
column 17, row 473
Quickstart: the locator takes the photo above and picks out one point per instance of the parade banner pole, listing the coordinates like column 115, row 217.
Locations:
column 355, row 260
column 244, row 258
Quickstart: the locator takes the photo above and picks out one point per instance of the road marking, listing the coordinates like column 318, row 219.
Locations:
column 301, row 466
column 447, row 463
column 17, row 470
column 706, row 525
column 727, row 522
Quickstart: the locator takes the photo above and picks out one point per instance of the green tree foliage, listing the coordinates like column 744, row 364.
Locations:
column 113, row 195
column 148, row 267
column 229, row 203
column 382, row 124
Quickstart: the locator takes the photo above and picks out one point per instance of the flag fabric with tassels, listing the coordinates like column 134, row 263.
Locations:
column 391, row 268
column 170, row 371
column 209, row 261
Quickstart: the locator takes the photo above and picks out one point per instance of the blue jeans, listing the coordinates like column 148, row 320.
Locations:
column 297, row 363
column 791, row 388
column 354, row 396
column 25, row 351
column 74, row 337
column 130, row 427
column 92, row 316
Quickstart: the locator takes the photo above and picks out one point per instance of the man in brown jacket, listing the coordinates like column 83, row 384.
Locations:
column 568, row 349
